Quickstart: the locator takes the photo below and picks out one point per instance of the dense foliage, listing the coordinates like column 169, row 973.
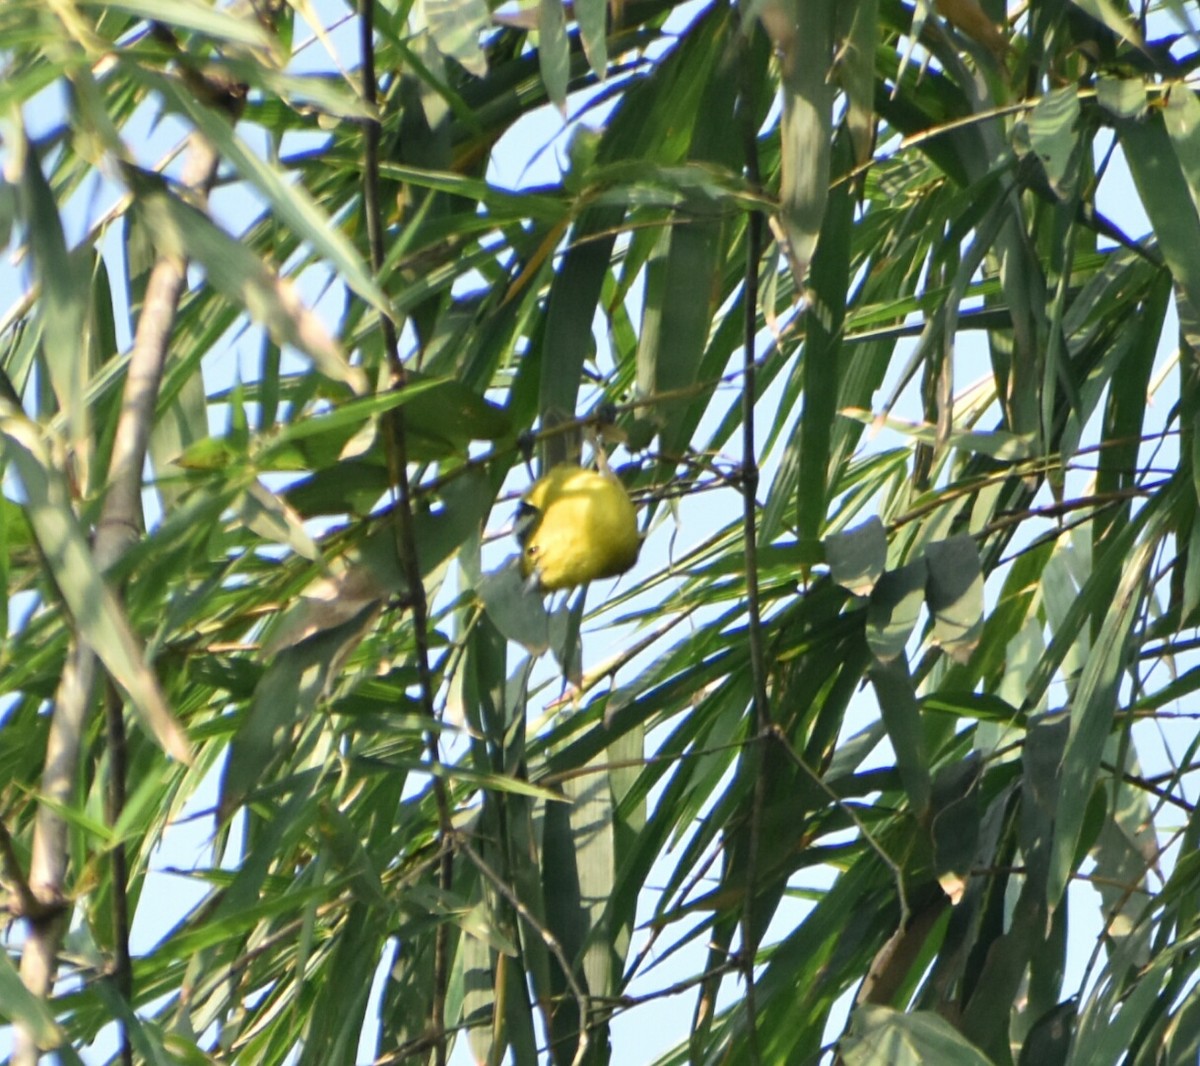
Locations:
column 886, row 315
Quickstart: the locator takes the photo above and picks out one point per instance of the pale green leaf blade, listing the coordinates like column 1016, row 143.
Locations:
column 456, row 26
column 592, row 16
column 100, row 620
column 232, row 268
column 291, row 203
column 221, row 25
column 955, row 595
column 554, row 53
column 1092, row 715
column 901, row 714
column 18, row 1004
column 857, row 557
column 882, row 1036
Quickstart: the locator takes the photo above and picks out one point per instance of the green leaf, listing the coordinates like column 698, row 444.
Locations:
column 273, row 520
column 1049, row 132
column 1123, row 97
column 856, row 71
column 857, row 557
column 1092, row 715
column 902, row 716
column 64, row 290
column 554, row 52
column 997, row 443
column 177, row 429
column 881, row 1036
column 516, row 610
column 977, row 705
column 232, row 268
column 955, row 594
column 591, row 820
column 823, row 363
column 1106, row 11
column 19, row 1005
column 1166, row 195
column 895, row 606
column 290, row 201
column 191, row 15
column 567, row 339
column 95, row 611
column 456, row 26
column 1049, row 1039
column 804, row 37
column 592, row 16
column 1182, row 120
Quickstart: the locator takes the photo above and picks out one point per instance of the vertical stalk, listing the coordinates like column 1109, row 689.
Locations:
column 762, row 712
column 397, row 451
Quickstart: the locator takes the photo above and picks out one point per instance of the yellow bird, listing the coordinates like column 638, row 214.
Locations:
column 576, row 525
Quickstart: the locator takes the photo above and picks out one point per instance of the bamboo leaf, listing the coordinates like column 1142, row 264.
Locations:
column 64, row 286
column 1165, row 193
column 1092, row 716
column 456, row 26
column 19, row 1005
column 190, row 15
column 95, row 611
column 554, row 53
column 804, row 38
column 895, row 606
column 901, row 714
column 291, row 203
column 1050, row 133
column 885, row 1037
column 858, row 556
column 233, row 269
column 955, row 595
column 592, row 16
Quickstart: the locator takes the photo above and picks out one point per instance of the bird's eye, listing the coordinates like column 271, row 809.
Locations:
column 531, row 550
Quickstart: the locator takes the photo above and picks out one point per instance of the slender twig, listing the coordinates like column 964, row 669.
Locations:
column 756, row 757
column 1114, row 911
column 118, row 527
column 1146, row 785
column 1020, row 870
column 397, row 454
column 657, row 927
column 905, row 911
column 622, row 1003
column 1057, row 510
column 548, row 938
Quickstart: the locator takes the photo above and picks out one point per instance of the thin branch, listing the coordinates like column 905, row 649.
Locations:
column 548, row 938
column 623, row 1003
column 859, row 824
column 1114, row 911
column 118, row 527
column 1147, row 785
column 656, row 926
column 397, row 455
